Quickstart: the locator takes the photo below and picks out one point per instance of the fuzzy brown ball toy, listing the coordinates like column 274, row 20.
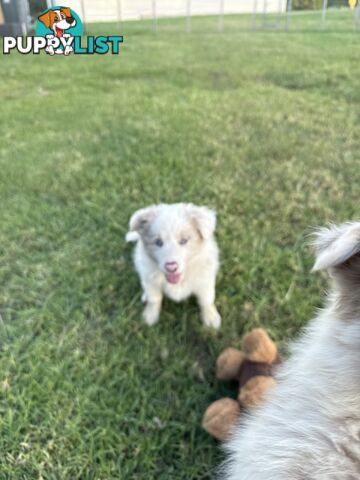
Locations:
column 253, row 368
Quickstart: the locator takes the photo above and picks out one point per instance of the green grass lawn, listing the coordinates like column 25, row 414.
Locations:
column 262, row 126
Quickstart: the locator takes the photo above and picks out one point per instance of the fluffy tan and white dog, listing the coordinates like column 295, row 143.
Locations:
column 176, row 255
column 309, row 429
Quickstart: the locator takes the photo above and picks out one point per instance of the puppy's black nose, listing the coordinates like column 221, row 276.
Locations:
column 70, row 19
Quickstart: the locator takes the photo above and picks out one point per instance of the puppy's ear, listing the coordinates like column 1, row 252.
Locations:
column 336, row 245
column 45, row 18
column 139, row 222
column 204, row 220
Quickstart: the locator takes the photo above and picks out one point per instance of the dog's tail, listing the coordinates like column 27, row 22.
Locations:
column 132, row 236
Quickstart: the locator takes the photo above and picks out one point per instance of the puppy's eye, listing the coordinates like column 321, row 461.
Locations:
column 158, row 242
column 183, row 241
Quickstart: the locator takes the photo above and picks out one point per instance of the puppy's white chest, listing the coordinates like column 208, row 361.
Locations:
column 177, row 292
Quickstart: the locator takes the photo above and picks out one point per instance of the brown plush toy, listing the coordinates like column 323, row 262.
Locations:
column 252, row 367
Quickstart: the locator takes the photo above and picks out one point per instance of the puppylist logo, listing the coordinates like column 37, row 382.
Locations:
column 58, row 32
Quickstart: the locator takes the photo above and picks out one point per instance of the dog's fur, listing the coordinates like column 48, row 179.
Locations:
column 309, row 428
column 181, row 233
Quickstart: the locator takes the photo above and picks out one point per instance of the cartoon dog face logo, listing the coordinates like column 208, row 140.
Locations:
column 58, row 20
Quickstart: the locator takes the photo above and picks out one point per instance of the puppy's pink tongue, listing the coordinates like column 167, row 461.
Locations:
column 173, row 277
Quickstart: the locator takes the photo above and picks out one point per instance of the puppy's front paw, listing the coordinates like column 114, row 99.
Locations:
column 211, row 318
column 151, row 314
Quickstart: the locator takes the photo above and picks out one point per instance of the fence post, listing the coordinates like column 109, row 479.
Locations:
column 323, row 15
column 221, row 15
column 357, row 15
column 264, row 19
column 288, row 14
column 280, row 13
column 254, row 15
column 188, row 16
column 119, row 14
column 154, row 16
column 83, row 16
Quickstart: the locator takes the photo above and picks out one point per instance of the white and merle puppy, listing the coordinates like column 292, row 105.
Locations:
column 176, row 255
column 309, row 428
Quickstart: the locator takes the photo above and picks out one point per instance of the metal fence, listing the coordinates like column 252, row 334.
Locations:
column 261, row 14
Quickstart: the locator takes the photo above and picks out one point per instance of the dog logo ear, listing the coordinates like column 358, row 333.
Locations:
column 336, row 245
column 45, row 18
column 66, row 11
